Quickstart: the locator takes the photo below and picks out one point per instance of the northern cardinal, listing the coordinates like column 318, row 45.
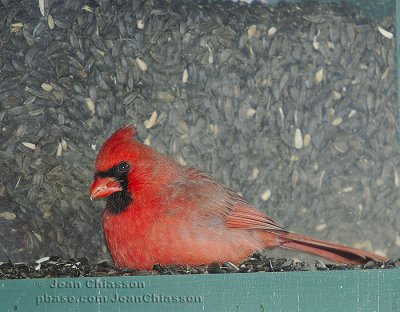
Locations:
column 159, row 211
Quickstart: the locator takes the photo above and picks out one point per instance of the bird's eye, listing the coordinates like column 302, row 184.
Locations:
column 123, row 167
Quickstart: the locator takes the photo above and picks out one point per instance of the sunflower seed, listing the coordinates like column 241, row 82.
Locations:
column 141, row 64
column 185, row 76
column 7, row 215
column 385, row 33
column 140, row 24
column 4, row 156
column 47, row 87
column 251, row 32
column 50, row 22
column 298, row 139
column 150, row 123
column 165, row 97
column 29, row 145
column 42, row 6
column 271, row 31
column 321, row 227
column 307, row 139
column 59, row 150
column 90, row 105
column 319, row 75
column 337, row 121
column 266, row 195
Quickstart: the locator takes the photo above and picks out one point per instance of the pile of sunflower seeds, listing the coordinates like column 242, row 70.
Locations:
column 54, row 267
column 294, row 106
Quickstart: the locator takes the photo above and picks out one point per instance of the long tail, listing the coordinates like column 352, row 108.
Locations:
column 335, row 252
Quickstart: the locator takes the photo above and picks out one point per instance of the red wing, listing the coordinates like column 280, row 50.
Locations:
column 217, row 201
column 245, row 216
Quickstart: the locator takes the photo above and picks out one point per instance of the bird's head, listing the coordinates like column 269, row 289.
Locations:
column 120, row 168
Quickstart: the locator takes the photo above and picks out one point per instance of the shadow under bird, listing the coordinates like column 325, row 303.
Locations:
column 159, row 211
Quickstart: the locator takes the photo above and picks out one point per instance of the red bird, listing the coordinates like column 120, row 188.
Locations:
column 159, row 211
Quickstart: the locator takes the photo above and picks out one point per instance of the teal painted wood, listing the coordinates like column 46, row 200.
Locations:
column 367, row 290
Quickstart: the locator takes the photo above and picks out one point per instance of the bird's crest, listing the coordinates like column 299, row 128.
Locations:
column 125, row 133
column 115, row 149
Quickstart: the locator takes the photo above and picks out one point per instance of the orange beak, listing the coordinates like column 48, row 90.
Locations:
column 103, row 187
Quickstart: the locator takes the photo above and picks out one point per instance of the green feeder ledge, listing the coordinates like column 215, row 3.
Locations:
column 353, row 290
